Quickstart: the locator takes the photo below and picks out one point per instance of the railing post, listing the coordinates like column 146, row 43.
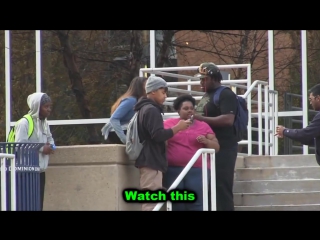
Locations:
column 276, row 145
column 169, row 206
column 271, row 119
column 260, row 143
column 249, row 112
column 13, row 184
column 205, row 181
column 213, row 181
column 266, row 120
column 189, row 86
column 3, row 184
column 4, row 169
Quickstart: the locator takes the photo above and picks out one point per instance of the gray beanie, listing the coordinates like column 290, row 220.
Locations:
column 45, row 99
column 155, row 83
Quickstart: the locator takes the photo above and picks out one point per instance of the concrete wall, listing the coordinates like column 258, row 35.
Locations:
column 89, row 177
column 92, row 177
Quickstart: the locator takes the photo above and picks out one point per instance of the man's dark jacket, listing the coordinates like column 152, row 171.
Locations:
column 151, row 130
column 309, row 135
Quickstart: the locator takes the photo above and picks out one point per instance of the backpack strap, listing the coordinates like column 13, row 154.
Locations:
column 30, row 122
column 142, row 141
column 216, row 95
column 28, row 117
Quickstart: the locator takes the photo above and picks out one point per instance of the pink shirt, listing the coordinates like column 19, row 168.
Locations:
column 183, row 145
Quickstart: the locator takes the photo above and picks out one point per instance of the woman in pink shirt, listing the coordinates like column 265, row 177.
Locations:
column 182, row 147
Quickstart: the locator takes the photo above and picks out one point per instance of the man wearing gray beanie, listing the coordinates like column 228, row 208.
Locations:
column 152, row 161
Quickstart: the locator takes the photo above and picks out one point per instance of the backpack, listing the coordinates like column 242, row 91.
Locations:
column 12, row 135
column 242, row 116
column 133, row 144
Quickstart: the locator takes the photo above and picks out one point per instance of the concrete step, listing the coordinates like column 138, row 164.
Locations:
column 303, row 207
column 248, row 174
column 240, row 162
column 267, row 186
column 256, row 199
column 277, row 161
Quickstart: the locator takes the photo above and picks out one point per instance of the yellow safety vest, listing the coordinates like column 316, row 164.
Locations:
column 12, row 135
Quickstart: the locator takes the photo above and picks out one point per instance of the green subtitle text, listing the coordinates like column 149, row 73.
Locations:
column 135, row 195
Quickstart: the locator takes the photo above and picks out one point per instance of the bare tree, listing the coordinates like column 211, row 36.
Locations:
column 69, row 59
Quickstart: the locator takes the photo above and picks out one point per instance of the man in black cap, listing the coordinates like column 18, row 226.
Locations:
column 220, row 117
column 152, row 161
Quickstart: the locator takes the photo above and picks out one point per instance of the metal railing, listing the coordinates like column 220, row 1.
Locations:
column 268, row 103
column 204, row 152
column 270, row 143
column 4, row 190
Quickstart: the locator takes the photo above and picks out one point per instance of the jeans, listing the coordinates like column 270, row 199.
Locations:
column 192, row 182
